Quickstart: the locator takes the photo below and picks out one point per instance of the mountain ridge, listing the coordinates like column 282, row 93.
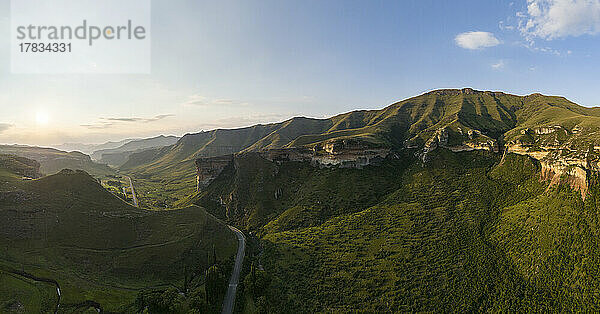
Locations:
column 460, row 119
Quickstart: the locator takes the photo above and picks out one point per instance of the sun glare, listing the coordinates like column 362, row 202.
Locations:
column 42, row 118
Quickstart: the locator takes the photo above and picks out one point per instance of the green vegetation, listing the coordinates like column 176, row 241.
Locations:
column 454, row 233
column 204, row 293
column 68, row 228
column 53, row 160
column 21, row 295
column 13, row 165
column 465, row 231
column 468, row 117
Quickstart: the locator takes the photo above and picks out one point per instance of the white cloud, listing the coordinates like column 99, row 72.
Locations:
column 498, row 65
column 202, row 101
column 106, row 123
column 476, row 40
column 551, row 19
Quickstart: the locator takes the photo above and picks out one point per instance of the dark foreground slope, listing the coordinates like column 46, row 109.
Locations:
column 67, row 228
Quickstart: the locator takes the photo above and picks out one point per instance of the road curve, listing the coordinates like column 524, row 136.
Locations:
column 229, row 302
column 135, row 201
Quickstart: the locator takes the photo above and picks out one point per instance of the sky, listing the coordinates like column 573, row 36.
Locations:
column 225, row 64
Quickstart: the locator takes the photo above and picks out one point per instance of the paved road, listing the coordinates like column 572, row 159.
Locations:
column 229, row 302
column 135, row 201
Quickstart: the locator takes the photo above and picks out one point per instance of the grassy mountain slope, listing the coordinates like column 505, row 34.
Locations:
column 53, row 160
column 469, row 231
column 306, row 195
column 408, row 123
column 424, row 247
column 68, row 228
column 15, row 166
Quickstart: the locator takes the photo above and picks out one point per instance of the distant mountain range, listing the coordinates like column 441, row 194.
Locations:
column 90, row 148
column 119, row 155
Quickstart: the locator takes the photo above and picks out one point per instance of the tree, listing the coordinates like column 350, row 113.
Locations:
column 215, row 285
column 257, row 282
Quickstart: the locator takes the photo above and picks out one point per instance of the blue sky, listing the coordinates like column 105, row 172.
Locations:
column 237, row 63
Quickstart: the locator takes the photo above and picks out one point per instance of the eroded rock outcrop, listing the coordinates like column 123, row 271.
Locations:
column 559, row 171
column 208, row 168
column 560, row 164
column 343, row 154
column 463, row 141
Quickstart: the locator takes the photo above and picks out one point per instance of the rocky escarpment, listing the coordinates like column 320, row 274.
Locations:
column 342, row 154
column 560, row 164
column 208, row 168
column 458, row 140
column 565, row 155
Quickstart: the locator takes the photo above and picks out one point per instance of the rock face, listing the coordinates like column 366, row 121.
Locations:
column 563, row 157
column 472, row 140
column 347, row 154
column 575, row 176
column 209, row 168
column 559, row 164
column 344, row 154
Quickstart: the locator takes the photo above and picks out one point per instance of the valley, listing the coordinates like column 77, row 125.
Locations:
column 461, row 200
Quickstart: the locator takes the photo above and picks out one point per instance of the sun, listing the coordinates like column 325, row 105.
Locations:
column 42, row 118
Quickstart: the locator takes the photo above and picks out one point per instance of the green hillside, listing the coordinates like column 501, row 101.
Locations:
column 15, row 166
column 467, row 116
column 52, row 160
column 462, row 230
column 67, row 228
column 469, row 231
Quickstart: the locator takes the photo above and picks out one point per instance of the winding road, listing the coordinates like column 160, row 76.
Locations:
column 229, row 302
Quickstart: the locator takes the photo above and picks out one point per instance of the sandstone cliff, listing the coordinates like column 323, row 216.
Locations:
column 342, row 154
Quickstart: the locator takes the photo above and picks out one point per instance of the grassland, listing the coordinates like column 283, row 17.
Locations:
column 67, row 227
column 53, row 160
column 21, row 295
